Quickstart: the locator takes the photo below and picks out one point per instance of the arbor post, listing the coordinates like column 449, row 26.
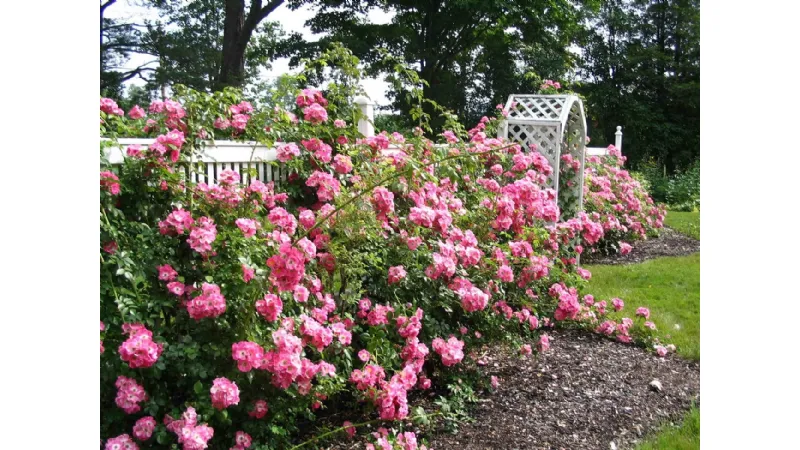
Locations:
column 366, row 124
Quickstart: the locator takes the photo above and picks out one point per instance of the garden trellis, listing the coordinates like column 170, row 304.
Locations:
column 553, row 125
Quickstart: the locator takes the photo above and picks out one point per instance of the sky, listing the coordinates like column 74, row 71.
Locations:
column 290, row 21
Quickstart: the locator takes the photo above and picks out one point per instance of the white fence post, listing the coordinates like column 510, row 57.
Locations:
column 618, row 138
column 365, row 125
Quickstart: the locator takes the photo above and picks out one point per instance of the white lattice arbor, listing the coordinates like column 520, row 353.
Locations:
column 556, row 126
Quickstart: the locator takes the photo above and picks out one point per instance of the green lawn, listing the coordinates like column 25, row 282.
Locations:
column 670, row 287
column 685, row 436
column 687, row 223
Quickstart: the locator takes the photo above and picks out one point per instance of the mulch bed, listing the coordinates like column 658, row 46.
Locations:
column 587, row 392
column 668, row 243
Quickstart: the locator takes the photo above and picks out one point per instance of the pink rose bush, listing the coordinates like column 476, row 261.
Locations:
column 618, row 203
column 244, row 308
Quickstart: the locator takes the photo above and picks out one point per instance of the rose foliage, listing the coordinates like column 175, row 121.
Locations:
column 235, row 311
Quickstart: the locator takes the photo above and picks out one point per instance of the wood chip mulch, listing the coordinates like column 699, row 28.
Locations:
column 668, row 243
column 586, row 393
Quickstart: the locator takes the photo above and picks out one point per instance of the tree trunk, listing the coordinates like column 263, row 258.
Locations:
column 234, row 44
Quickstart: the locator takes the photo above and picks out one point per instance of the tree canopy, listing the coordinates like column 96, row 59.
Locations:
column 470, row 53
column 636, row 62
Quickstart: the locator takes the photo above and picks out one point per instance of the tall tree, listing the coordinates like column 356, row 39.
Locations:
column 465, row 50
column 204, row 44
column 118, row 40
column 641, row 66
column 238, row 31
column 189, row 42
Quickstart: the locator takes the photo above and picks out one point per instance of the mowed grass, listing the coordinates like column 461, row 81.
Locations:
column 687, row 223
column 685, row 436
column 670, row 287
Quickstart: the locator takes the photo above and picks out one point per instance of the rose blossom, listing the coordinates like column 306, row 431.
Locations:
column 144, row 428
column 224, row 393
column 396, row 274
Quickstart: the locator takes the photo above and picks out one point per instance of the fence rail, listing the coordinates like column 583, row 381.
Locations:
column 241, row 156
column 216, row 157
column 600, row 151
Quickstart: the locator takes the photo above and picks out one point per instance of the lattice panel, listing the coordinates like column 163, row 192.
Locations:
column 546, row 140
column 574, row 144
column 537, row 108
column 556, row 125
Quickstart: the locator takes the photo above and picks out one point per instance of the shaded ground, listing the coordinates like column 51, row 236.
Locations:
column 668, row 243
column 586, row 393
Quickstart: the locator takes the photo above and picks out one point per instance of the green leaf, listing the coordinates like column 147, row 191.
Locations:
column 198, row 387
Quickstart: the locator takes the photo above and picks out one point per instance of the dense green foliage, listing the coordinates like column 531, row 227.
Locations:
column 681, row 191
column 470, row 53
column 641, row 69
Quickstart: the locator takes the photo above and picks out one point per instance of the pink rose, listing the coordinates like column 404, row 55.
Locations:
column 396, row 274
column 349, row 428
column 544, row 343
column 136, row 112
column 315, row 114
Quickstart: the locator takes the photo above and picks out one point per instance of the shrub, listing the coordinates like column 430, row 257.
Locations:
column 680, row 191
column 657, row 181
column 683, row 193
column 617, row 200
column 236, row 313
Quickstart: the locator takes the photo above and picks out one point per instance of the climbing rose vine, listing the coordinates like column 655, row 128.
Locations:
column 234, row 310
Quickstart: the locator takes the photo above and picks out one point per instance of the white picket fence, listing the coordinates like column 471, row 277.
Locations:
column 242, row 156
column 601, row 151
column 237, row 156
